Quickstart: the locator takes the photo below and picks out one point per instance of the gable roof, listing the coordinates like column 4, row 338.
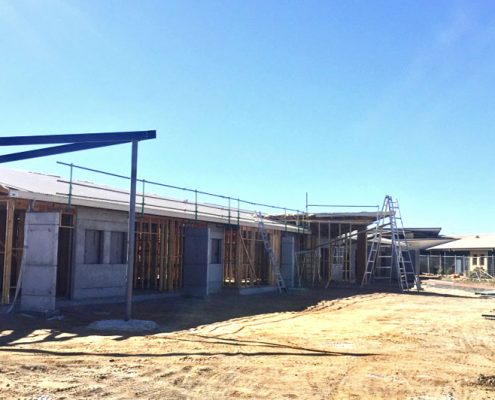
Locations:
column 53, row 188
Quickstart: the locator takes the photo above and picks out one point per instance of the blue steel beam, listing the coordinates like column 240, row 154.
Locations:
column 85, row 141
column 49, row 151
column 121, row 137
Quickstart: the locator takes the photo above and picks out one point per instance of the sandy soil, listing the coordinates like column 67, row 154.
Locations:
column 313, row 344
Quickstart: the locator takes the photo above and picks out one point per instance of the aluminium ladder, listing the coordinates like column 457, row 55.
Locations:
column 406, row 271
column 273, row 260
column 386, row 258
column 375, row 268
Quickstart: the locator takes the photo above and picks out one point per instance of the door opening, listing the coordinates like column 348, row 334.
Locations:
column 64, row 254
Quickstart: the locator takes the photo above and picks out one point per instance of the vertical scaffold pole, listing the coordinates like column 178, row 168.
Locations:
column 131, row 230
column 195, row 205
column 229, row 210
column 238, row 212
column 285, row 221
column 142, row 200
column 70, row 185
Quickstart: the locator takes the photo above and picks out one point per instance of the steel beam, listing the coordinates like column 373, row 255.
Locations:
column 77, row 138
column 50, row 151
column 131, row 231
column 85, row 141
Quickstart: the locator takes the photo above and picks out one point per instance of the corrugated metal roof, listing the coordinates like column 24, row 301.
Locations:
column 471, row 242
column 44, row 187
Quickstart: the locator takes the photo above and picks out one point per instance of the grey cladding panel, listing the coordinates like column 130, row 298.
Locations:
column 39, row 281
column 42, row 244
column 195, row 261
column 287, row 267
column 40, row 268
column 196, row 246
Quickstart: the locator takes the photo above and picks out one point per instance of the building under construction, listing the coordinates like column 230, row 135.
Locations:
column 70, row 237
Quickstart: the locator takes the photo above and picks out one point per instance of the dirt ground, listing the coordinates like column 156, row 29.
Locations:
column 309, row 344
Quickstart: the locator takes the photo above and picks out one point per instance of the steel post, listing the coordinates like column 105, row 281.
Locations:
column 131, row 231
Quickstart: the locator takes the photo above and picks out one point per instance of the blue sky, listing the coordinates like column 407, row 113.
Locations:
column 267, row 100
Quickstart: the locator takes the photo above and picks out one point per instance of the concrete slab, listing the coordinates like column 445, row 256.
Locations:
column 44, row 304
column 137, row 298
column 120, row 325
column 257, row 290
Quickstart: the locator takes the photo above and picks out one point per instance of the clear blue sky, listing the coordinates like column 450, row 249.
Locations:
column 267, row 100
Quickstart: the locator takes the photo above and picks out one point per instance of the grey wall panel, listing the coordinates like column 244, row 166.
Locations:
column 215, row 278
column 195, row 263
column 215, row 271
column 288, row 263
column 98, row 280
column 39, row 277
column 39, row 280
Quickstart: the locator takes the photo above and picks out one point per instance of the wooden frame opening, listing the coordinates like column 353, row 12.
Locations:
column 246, row 262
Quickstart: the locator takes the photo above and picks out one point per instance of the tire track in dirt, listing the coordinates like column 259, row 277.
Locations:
column 321, row 307
column 339, row 304
column 244, row 322
column 474, row 342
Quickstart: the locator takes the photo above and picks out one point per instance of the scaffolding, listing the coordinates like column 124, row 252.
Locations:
column 330, row 257
column 159, row 229
column 390, row 256
column 245, row 261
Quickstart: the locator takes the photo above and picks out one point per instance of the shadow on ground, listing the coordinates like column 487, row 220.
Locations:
column 171, row 314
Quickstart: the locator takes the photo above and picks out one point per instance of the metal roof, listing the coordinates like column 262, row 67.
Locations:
column 353, row 217
column 416, row 244
column 45, row 187
column 471, row 242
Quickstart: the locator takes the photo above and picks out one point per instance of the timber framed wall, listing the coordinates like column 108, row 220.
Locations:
column 159, row 248
column 333, row 251
column 159, row 253
column 9, row 252
column 246, row 262
column 12, row 220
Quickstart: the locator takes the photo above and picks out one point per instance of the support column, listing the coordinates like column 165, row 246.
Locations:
column 330, row 260
column 131, row 235
column 7, row 260
column 361, row 253
column 417, row 262
column 238, row 263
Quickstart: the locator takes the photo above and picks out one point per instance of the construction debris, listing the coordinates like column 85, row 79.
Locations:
column 486, row 380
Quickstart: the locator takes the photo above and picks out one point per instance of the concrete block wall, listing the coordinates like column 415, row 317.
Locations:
column 98, row 280
column 39, row 277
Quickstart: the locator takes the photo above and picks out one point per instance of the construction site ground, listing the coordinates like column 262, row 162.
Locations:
column 336, row 343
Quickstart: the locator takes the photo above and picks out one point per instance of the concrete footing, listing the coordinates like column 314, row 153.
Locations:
column 257, row 290
column 120, row 325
